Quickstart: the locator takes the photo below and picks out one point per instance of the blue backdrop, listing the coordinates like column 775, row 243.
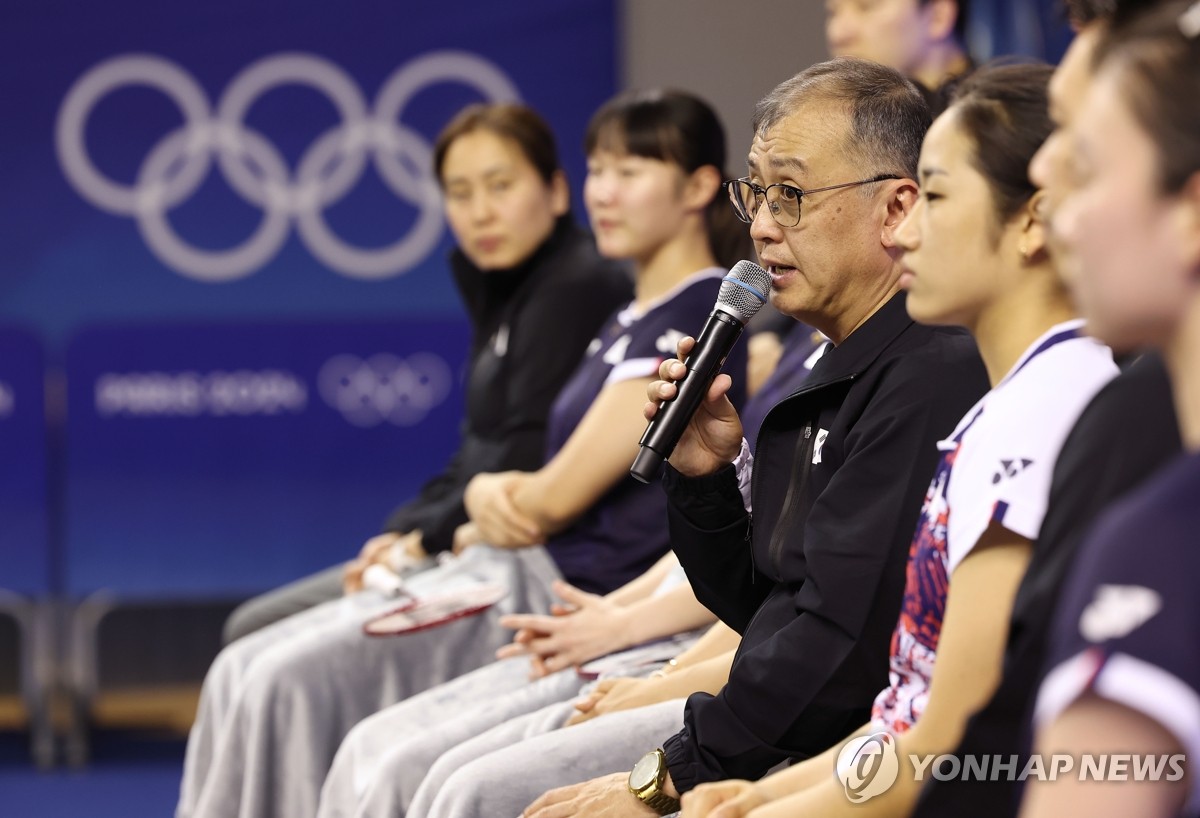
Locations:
column 207, row 460
column 219, row 220
column 143, row 137
column 24, row 555
column 1032, row 28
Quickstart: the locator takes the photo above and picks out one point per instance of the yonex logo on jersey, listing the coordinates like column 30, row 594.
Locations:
column 1118, row 610
column 668, row 342
column 616, row 352
column 1011, row 468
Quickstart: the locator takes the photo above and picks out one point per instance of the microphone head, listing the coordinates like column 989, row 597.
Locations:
column 744, row 290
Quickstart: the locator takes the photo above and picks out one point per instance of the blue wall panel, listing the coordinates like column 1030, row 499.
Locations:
column 211, row 460
column 25, row 555
column 211, row 202
column 143, row 137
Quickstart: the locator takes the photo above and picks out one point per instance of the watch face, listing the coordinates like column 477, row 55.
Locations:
column 644, row 772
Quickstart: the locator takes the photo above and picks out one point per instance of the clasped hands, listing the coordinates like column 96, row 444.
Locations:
column 580, row 628
column 489, row 502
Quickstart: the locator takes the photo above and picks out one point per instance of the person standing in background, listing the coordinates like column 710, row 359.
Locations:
column 922, row 39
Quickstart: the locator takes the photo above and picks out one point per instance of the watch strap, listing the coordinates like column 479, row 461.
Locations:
column 662, row 803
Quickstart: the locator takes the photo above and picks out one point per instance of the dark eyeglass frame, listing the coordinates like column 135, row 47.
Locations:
column 761, row 195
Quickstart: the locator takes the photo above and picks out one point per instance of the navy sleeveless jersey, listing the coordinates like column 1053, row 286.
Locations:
column 1129, row 621
column 626, row 531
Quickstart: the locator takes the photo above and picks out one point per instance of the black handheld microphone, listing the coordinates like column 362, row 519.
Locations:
column 743, row 292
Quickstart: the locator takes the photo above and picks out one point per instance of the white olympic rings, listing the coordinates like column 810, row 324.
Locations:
column 254, row 168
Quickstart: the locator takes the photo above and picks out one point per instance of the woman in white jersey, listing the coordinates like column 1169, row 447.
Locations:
column 975, row 256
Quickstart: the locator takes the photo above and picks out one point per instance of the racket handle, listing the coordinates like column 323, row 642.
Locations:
column 380, row 578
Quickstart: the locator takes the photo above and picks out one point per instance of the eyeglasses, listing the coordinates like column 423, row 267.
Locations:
column 784, row 205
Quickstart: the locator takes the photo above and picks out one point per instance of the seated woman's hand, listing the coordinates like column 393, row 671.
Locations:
column 723, row 799
column 382, row 548
column 615, row 695
column 488, row 500
column 584, row 627
column 465, row 536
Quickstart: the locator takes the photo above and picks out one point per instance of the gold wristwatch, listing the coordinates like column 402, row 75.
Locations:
column 646, row 782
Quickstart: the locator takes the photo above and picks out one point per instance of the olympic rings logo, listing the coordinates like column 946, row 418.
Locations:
column 254, row 168
column 385, row 388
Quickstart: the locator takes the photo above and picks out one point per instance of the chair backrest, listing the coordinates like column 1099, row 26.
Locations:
column 25, row 557
column 220, row 460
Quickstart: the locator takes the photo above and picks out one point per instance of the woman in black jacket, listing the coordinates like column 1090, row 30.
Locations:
column 519, row 259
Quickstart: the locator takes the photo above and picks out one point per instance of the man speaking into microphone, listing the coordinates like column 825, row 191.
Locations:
column 813, row 578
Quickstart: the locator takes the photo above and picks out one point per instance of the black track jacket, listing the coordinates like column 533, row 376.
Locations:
column 814, row 582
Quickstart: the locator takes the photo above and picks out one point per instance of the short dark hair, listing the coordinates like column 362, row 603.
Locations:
column 510, row 120
column 1004, row 111
column 680, row 128
column 672, row 126
column 888, row 115
column 1082, row 13
column 1156, row 51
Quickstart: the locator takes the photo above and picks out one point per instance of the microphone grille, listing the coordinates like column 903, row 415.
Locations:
column 744, row 290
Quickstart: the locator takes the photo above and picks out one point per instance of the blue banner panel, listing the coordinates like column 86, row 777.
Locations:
column 258, row 158
column 24, row 541
column 220, row 460
column 1029, row 28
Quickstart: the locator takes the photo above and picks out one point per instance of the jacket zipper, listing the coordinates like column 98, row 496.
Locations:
column 804, row 447
column 748, row 540
column 796, row 493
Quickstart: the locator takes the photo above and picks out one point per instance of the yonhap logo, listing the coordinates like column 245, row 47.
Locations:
column 385, row 388
column 174, row 169
column 868, row 766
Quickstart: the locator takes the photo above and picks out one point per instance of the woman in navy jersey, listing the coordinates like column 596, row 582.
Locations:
column 974, row 256
column 651, row 194
column 1122, row 694
column 580, row 518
